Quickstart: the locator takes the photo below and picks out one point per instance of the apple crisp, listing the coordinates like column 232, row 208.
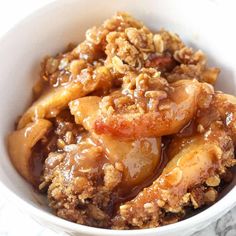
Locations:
column 126, row 130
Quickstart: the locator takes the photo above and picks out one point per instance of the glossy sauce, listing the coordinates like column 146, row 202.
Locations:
column 21, row 142
column 139, row 157
column 130, row 193
column 39, row 153
column 144, row 160
column 85, row 158
column 63, row 123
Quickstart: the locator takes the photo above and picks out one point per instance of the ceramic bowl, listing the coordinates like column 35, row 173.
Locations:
column 201, row 24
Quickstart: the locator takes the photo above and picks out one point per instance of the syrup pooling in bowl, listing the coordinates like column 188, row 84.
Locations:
column 126, row 130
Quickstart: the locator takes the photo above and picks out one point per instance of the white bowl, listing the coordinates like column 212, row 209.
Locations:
column 202, row 24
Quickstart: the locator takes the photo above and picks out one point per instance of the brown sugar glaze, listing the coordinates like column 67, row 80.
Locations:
column 63, row 123
column 123, row 192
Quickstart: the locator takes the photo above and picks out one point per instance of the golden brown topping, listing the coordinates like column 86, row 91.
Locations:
column 172, row 42
column 131, row 123
column 112, row 176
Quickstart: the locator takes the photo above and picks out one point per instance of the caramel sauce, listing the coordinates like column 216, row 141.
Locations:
column 86, row 157
column 126, row 194
column 39, row 153
column 138, row 175
column 139, row 158
column 145, row 160
column 61, row 124
column 188, row 130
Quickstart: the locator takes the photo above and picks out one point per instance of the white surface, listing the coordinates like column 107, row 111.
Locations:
column 204, row 28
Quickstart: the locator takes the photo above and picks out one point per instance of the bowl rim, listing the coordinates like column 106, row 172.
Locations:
column 221, row 206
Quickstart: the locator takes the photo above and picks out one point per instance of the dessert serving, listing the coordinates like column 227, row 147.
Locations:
column 126, row 130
